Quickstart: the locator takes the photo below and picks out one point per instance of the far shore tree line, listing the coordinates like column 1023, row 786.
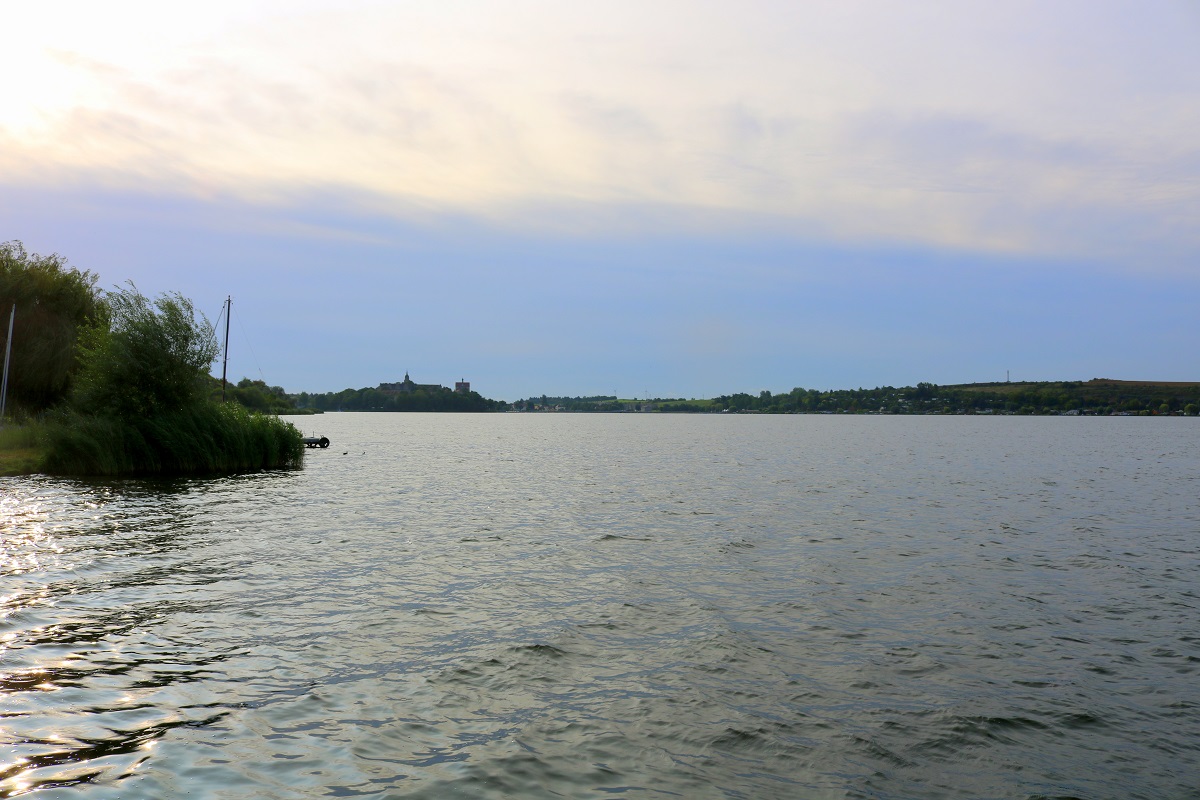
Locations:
column 1085, row 398
column 1097, row 397
column 258, row 396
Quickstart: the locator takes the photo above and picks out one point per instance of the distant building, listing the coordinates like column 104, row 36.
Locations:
column 462, row 387
column 407, row 386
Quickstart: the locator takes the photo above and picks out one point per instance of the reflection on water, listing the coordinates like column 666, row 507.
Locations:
column 572, row 606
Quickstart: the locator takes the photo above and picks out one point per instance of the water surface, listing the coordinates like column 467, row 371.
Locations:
column 494, row 606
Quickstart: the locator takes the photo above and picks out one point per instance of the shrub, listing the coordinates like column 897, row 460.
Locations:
column 141, row 403
column 53, row 302
column 145, row 358
column 207, row 438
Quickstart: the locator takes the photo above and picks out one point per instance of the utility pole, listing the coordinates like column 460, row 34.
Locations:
column 225, row 363
column 7, row 354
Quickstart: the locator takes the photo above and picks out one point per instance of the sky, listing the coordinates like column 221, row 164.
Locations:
column 667, row 198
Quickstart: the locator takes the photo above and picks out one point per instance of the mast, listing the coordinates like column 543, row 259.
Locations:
column 7, row 353
column 225, row 363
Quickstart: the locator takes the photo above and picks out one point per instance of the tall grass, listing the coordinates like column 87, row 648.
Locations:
column 20, row 448
column 19, row 437
column 208, row 438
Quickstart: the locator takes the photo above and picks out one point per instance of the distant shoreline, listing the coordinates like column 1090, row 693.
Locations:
column 1097, row 397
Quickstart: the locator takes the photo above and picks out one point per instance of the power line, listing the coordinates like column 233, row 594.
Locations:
column 253, row 356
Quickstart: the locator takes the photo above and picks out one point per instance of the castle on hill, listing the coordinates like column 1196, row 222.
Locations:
column 407, row 386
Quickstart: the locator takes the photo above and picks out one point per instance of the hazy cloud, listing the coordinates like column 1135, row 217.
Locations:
column 1018, row 127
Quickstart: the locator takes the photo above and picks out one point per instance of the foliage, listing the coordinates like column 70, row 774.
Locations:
column 256, row 396
column 367, row 399
column 1097, row 396
column 206, row 438
column 1074, row 397
column 141, row 403
column 53, row 302
column 592, row 403
column 146, row 358
column 137, row 373
column 16, row 437
column 21, row 450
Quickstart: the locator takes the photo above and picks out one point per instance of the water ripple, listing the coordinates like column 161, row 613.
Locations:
column 541, row 606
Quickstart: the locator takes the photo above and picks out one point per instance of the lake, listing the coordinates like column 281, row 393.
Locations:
column 582, row 606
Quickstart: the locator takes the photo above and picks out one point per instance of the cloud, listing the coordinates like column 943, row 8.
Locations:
column 1058, row 131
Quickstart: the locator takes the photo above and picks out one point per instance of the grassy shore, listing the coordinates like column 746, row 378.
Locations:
column 21, row 461
column 210, row 439
column 22, row 450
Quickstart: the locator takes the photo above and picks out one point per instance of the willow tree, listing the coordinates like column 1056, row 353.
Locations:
column 147, row 357
column 54, row 302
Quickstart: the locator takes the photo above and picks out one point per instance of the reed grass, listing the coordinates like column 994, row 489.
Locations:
column 20, row 437
column 206, row 439
column 22, row 449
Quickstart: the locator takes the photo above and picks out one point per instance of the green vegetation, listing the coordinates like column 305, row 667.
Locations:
column 1096, row 397
column 128, row 390
column 54, row 302
column 142, row 405
column 21, row 450
column 257, row 396
column 599, row 402
column 205, row 438
column 433, row 399
column 149, row 358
